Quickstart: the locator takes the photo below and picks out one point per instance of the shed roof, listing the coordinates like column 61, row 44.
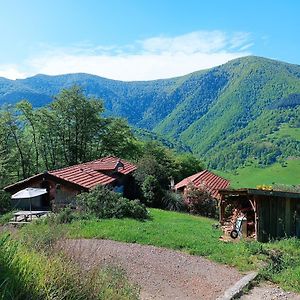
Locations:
column 259, row 192
column 212, row 182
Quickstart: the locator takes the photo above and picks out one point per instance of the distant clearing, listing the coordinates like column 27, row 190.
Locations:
column 287, row 131
column 251, row 176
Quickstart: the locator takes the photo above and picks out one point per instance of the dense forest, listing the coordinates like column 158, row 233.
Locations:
column 228, row 116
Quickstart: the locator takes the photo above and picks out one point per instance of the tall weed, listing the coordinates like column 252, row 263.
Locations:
column 30, row 274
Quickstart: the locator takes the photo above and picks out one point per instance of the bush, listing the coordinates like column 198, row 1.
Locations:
column 199, row 201
column 152, row 191
column 5, row 218
column 131, row 209
column 66, row 215
column 173, row 201
column 104, row 203
column 5, row 202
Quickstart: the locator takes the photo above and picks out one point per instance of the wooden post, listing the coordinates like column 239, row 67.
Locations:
column 222, row 210
column 256, row 225
column 288, row 216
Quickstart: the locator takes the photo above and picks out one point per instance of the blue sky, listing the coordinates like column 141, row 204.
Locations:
column 140, row 40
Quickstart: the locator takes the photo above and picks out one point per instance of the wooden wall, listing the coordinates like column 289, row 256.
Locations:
column 277, row 217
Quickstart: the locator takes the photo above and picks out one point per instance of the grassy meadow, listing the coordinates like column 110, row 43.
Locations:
column 251, row 176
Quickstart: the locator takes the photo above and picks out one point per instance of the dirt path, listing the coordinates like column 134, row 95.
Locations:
column 161, row 273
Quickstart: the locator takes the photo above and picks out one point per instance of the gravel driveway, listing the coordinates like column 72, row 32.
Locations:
column 161, row 273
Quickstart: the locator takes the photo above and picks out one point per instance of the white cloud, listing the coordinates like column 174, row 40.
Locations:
column 11, row 72
column 194, row 42
column 152, row 58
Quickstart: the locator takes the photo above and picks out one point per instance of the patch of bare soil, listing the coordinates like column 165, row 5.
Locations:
column 268, row 291
column 161, row 273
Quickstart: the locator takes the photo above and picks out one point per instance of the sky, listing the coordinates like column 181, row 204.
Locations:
column 142, row 39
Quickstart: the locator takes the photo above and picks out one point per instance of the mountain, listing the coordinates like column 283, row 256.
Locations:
column 243, row 112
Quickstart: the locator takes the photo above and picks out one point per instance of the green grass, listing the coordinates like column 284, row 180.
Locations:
column 251, row 176
column 286, row 131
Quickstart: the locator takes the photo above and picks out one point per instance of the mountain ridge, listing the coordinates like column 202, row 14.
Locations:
column 213, row 111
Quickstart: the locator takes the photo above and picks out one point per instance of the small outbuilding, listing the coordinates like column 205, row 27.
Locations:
column 204, row 179
column 269, row 214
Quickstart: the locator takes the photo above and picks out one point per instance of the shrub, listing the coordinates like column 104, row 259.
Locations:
column 199, row 201
column 5, row 218
column 131, row 209
column 173, row 201
column 66, row 215
column 5, row 202
column 152, row 191
column 104, row 203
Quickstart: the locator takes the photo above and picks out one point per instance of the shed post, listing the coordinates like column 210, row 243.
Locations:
column 257, row 219
column 256, row 226
column 288, row 217
column 222, row 210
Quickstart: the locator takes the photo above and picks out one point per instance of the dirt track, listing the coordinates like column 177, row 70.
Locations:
column 161, row 273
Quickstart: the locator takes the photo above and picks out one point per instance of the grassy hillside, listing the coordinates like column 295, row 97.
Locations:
column 237, row 124
column 252, row 176
column 246, row 109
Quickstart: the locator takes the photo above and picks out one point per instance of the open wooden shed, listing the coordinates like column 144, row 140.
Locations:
column 270, row 214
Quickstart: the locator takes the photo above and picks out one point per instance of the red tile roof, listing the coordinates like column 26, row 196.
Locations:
column 86, row 175
column 212, row 182
column 82, row 176
column 89, row 175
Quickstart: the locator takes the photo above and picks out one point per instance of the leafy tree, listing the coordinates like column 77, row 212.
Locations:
column 50, row 147
column 117, row 139
column 186, row 165
column 78, row 123
column 29, row 117
column 149, row 166
column 15, row 133
column 152, row 191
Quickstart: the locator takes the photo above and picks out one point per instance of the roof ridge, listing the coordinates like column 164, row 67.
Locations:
column 211, row 172
column 197, row 175
column 88, row 162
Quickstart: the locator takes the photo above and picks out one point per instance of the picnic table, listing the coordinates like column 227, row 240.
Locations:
column 27, row 215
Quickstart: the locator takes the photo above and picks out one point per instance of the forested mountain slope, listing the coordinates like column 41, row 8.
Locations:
column 243, row 111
